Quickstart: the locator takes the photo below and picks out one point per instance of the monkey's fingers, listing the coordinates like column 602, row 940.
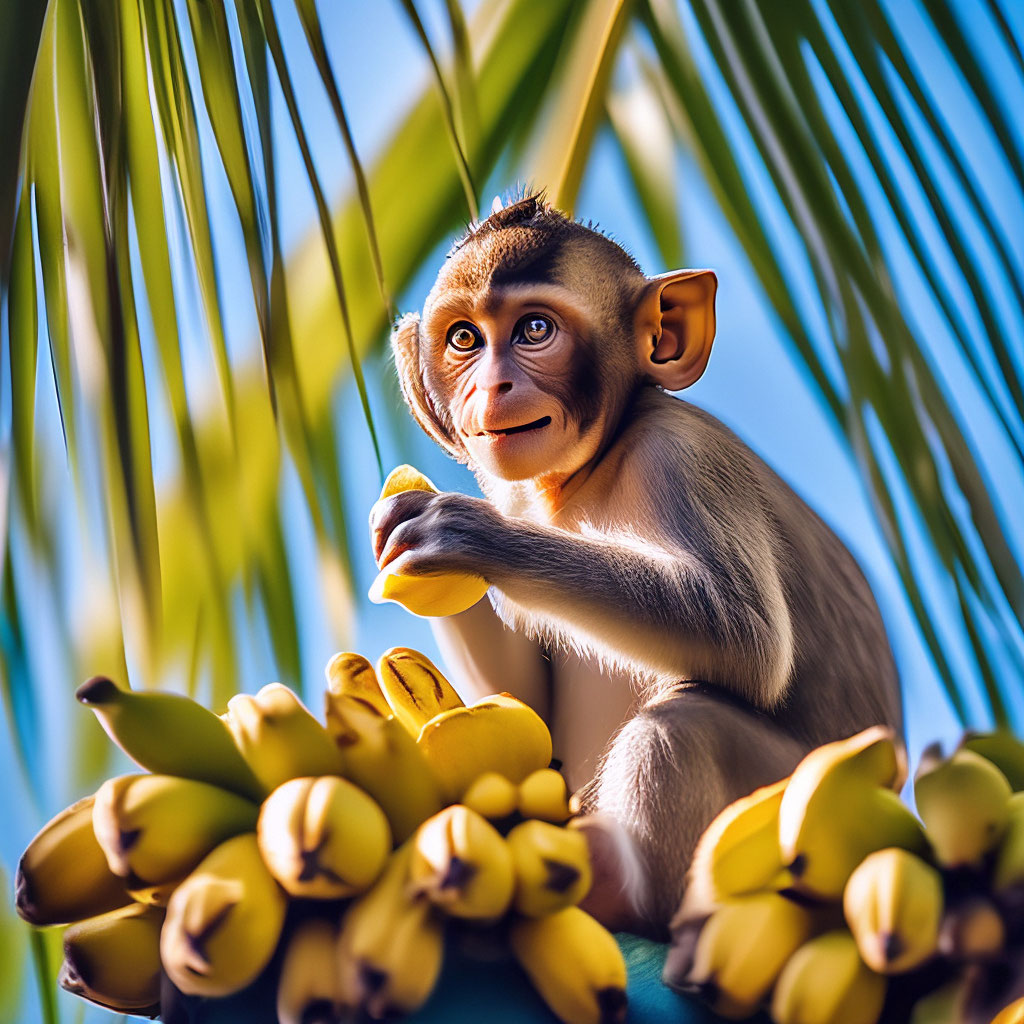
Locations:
column 389, row 513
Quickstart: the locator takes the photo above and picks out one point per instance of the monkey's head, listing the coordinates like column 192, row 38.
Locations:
column 536, row 335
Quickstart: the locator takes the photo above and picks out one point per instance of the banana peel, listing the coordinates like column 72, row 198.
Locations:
column 429, row 596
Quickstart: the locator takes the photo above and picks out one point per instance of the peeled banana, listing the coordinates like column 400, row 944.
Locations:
column 170, row 734
column 323, row 838
column 552, row 867
column 440, row 594
column 223, row 922
column 63, row 874
column 575, row 964
column 114, row 960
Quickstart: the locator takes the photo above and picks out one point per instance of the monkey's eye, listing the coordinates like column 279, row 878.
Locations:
column 535, row 328
column 464, row 337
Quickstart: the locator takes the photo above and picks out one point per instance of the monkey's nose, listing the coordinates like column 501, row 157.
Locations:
column 504, row 387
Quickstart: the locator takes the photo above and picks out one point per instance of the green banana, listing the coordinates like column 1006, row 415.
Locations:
column 415, row 687
column 391, row 945
column 308, row 989
column 819, row 846
column 1003, row 749
column 63, row 874
column 223, row 922
column 575, row 964
column 352, row 675
column 383, row 759
column 323, row 838
column 114, row 960
column 1008, row 872
column 169, row 734
column 738, row 952
column 893, row 905
column 462, row 863
column 498, row 733
column 964, row 804
column 155, row 829
column 543, row 795
column 739, row 852
column 826, row 982
column 492, row 795
column 279, row 738
column 551, row 865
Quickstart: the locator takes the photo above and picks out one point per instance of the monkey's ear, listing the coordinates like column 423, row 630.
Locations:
column 676, row 326
column 405, row 344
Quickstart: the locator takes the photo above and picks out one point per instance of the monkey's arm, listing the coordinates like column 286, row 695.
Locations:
column 484, row 656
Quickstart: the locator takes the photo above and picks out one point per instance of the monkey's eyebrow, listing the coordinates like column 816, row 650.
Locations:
column 454, row 305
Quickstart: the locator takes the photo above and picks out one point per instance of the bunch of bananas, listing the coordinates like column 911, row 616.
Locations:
column 825, row 900
column 338, row 854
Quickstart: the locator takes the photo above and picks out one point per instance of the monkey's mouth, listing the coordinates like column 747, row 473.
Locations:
column 534, row 425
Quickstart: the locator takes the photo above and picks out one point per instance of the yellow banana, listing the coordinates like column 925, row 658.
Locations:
column 821, row 846
column 826, row 982
column 893, row 905
column 462, row 863
column 352, row 675
column 154, row 895
column 170, row 734
column 972, row 930
column 383, row 759
column 155, row 829
column 543, row 794
column 498, row 733
column 552, row 867
column 492, row 795
column 63, row 874
column 964, row 804
column 414, row 687
column 1003, row 749
column 739, row 851
column 323, row 838
column 739, row 951
column 391, row 945
column 114, row 960
column 279, row 738
column 309, row 990
column 1011, row 1014
column 223, row 922
column 575, row 964
column 441, row 594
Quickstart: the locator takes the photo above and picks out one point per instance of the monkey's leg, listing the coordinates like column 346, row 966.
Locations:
column 667, row 773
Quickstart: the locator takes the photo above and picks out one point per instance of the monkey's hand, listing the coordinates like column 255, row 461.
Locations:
column 417, row 533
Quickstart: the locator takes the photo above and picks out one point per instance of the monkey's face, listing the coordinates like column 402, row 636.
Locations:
column 516, row 368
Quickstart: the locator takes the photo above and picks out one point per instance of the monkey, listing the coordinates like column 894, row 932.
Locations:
column 685, row 623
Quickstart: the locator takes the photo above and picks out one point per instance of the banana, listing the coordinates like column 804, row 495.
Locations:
column 414, row 687
column 821, row 846
column 323, row 838
column 114, row 960
column 223, row 922
column 391, row 945
column 308, row 990
column 543, row 794
column 893, row 905
column 826, row 982
column 154, row 895
column 552, row 867
column 462, row 863
column 1011, row 1014
column 972, row 930
column 279, row 738
column 739, row 852
column 575, row 964
column 964, row 804
column 492, row 795
column 383, row 759
column 352, row 675
column 169, row 734
column 1003, row 749
column 441, row 594
column 498, row 733
column 739, row 951
column 63, row 874
column 1008, row 872
column 154, row 829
